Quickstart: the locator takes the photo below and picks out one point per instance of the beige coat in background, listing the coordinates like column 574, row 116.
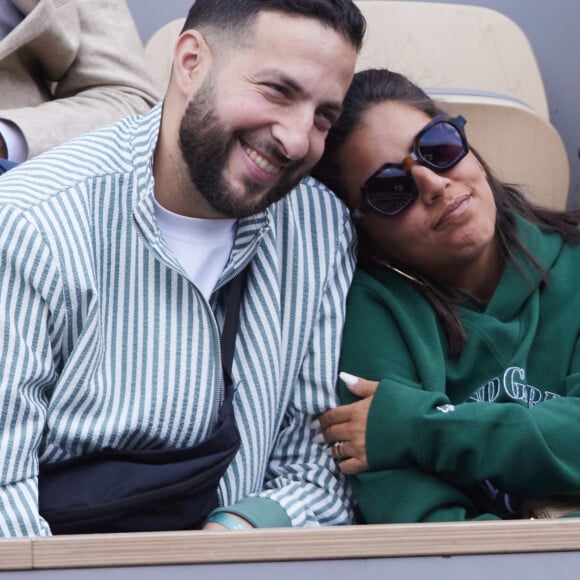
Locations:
column 71, row 66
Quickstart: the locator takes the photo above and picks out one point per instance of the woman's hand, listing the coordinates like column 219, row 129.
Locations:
column 344, row 428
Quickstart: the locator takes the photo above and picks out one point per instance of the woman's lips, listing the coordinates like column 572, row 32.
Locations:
column 453, row 211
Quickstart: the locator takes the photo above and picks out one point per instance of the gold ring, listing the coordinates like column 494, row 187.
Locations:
column 338, row 450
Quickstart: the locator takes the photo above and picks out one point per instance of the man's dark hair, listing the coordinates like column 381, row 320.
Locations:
column 237, row 16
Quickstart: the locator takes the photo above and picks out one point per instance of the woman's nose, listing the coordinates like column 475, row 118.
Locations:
column 431, row 185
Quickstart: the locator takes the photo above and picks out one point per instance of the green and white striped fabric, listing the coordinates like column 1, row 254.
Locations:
column 105, row 343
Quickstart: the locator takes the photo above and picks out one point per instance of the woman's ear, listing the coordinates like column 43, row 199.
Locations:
column 192, row 59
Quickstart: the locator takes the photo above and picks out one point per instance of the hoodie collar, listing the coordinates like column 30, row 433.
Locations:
column 521, row 278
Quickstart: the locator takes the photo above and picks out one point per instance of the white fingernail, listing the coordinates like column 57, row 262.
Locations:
column 315, row 424
column 349, row 379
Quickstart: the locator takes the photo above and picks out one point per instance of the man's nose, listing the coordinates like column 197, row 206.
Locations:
column 293, row 132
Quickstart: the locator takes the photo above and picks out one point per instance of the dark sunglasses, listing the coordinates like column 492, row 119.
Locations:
column 390, row 190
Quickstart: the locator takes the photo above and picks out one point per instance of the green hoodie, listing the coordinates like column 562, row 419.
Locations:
column 469, row 436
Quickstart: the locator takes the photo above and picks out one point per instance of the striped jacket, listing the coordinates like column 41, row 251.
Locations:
column 105, row 343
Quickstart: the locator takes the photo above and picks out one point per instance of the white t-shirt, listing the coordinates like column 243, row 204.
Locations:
column 201, row 246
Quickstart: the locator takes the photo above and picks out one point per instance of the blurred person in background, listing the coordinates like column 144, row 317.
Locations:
column 66, row 67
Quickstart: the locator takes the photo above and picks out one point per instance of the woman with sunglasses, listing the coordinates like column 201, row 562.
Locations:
column 461, row 350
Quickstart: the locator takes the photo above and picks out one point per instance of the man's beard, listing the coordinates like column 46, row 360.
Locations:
column 206, row 147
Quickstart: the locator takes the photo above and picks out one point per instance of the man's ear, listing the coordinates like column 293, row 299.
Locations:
column 192, row 60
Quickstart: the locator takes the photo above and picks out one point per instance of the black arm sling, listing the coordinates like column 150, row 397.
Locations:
column 165, row 489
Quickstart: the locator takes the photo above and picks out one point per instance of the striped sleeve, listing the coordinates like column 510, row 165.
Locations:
column 29, row 291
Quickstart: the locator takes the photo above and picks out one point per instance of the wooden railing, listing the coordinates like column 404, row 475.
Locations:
column 292, row 545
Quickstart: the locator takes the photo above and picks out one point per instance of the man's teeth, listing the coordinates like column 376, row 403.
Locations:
column 261, row 162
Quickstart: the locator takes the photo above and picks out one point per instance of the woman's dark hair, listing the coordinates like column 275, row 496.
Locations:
column 237, row 16
column 374, row 86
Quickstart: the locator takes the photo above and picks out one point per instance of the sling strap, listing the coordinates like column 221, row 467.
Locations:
column 231, row 321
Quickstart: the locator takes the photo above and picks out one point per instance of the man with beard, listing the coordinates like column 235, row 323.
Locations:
column 120, row 257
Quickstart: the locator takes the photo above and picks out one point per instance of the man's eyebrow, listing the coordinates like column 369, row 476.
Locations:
column 294, row 86
column 281, row 78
